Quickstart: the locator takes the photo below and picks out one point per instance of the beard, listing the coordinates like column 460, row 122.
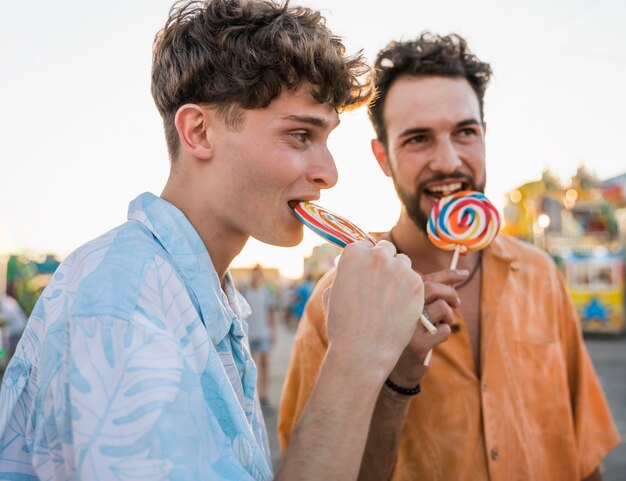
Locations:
column 412, row 201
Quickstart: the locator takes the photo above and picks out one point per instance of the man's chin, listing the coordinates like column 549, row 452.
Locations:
column 288, row 239
column 291, row 243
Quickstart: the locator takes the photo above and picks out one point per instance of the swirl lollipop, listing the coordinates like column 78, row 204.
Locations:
column 463, row 222
column 332, row 227
column 339, row 231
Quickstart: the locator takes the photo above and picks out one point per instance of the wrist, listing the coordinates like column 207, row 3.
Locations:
column 406, row 391
column 395, row 397
column 358, row 372
column 408, row 378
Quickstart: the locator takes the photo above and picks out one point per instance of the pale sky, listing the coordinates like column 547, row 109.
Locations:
column 80, row 136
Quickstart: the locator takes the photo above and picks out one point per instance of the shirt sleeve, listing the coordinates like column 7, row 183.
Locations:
column 124, row 404
column 595, row 430
column 308, row 352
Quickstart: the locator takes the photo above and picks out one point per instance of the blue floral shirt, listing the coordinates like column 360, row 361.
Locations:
column 134, row 365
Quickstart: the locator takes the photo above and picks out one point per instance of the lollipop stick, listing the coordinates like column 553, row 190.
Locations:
column 428, row 358
column 427, row 324
column 455, row 257
column 432, row 329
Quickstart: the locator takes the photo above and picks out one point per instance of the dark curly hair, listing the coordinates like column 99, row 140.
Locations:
column 429, row 55
column 242, row 54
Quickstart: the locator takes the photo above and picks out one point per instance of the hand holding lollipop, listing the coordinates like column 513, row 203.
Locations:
column 463, row 222
column 339, row 231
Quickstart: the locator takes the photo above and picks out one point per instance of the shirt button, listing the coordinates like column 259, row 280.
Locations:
column 484, row 387
column 495, row 454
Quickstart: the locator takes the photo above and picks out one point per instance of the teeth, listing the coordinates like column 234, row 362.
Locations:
column 446, row 189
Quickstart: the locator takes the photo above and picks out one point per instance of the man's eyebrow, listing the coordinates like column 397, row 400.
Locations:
column 464, row 123
column 414, row 131
column 307, row 119
column 425, row 130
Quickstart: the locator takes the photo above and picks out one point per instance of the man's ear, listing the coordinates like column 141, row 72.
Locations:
column 193, row 124
column 381, row 156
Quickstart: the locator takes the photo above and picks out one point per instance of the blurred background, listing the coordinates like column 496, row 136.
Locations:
column 80, row 137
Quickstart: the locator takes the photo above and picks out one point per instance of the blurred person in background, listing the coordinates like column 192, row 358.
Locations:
column 261, row 329
column 301, row 293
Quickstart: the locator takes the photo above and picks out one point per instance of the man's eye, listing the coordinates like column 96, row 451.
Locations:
column 417, row 139
column 301, row 135
column 467, row 132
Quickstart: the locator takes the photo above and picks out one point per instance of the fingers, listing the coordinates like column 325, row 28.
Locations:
column 391, row 250
column 439, row 311
column 427, row 322
column 388, row 251
column 442, row 334
column 448, row 276
column 427, row 341
column 434, row 291
column 387, row 246
column 417, row 355
column 403, row 258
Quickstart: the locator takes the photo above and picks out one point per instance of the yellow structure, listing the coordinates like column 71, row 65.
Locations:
column 578, row 227
column 596, row 283
column 533, row 207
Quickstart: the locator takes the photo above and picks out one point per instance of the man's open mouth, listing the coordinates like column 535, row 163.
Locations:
column 443, row 189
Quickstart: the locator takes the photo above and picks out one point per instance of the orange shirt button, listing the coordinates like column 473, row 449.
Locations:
column 495, row 454
column 484, row 387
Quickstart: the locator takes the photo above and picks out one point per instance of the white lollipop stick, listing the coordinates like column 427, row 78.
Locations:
column 433, row 330
column 455, row 257
column 427, row 324
column 428, row 358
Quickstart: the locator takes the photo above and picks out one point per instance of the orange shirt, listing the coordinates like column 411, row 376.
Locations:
column 536, row 413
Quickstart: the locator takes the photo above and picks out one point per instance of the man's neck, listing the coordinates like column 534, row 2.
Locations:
column 222, row 244
column 425, row 256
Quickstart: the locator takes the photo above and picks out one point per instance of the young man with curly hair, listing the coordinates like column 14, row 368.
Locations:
column 512, row 394
column 135, row 362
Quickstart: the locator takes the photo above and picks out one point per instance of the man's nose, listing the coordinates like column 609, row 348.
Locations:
column 323, row 172
column 446, row 157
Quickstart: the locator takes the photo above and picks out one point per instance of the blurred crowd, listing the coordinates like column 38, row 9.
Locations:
column 270, row 300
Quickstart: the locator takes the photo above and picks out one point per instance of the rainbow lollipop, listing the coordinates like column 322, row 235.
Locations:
column 463, row 222
column 339, row 231
column 332, row 227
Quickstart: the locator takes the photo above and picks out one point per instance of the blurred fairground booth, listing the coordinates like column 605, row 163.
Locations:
column 582, row 225
column 22, row 278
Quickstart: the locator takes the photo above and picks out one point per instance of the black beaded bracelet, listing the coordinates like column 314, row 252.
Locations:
column 407, row 391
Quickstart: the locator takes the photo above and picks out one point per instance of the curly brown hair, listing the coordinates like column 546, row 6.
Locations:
column 429, row 55
column 242, row 54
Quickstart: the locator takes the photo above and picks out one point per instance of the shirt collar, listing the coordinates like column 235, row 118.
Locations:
column 193, row 262
column 498, row 252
